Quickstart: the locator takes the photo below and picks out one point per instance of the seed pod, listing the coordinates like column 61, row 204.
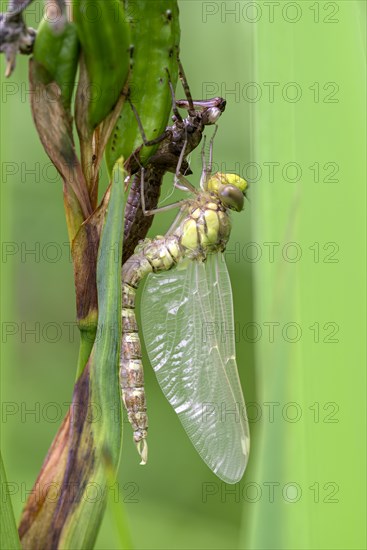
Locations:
column 104, row 34
column 57, row 49
column 155, row 45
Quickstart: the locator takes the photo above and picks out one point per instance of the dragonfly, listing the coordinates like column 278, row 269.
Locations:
column 188, row 131
column 187, row 297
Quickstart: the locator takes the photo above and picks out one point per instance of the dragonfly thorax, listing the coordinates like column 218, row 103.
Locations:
column 206, row 228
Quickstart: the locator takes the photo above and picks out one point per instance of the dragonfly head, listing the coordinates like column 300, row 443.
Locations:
column 230, row 188
column 211, row 115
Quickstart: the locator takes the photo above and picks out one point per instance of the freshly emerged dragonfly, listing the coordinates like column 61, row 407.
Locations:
column 184, row 131
column 186, row 301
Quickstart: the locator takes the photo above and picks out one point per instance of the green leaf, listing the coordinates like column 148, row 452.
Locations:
column 9, row 538
column 155, row 39
column 57, row 49
column 104, row 34
column 99, row 452
column 84, row 458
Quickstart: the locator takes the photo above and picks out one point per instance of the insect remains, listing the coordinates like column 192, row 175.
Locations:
column 185, row 134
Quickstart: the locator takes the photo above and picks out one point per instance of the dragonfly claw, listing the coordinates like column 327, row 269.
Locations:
column 142, row 447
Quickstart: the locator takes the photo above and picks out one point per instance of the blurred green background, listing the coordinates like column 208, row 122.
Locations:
column 293, row 74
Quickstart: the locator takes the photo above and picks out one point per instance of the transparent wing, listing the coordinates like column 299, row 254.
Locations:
column 221, row 300
column 195, row 369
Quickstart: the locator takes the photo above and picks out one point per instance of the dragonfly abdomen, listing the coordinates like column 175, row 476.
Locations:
column 132, row 375
column 158, row 255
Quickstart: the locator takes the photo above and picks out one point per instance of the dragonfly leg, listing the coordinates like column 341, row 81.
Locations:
column 185, row 85
column 185, row 185
column 147, row 142
column 203, row 163
column 207, row 168
column 146, row 212
column 180, row 178
column 211, row 146
column 181, row 157
column 180, row 182
column 176, row 112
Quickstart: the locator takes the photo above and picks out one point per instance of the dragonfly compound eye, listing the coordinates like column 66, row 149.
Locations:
column 232, row 197
column 219, row 179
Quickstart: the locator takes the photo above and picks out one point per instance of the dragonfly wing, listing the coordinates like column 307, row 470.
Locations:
column 221, row 301
column 177, row 318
